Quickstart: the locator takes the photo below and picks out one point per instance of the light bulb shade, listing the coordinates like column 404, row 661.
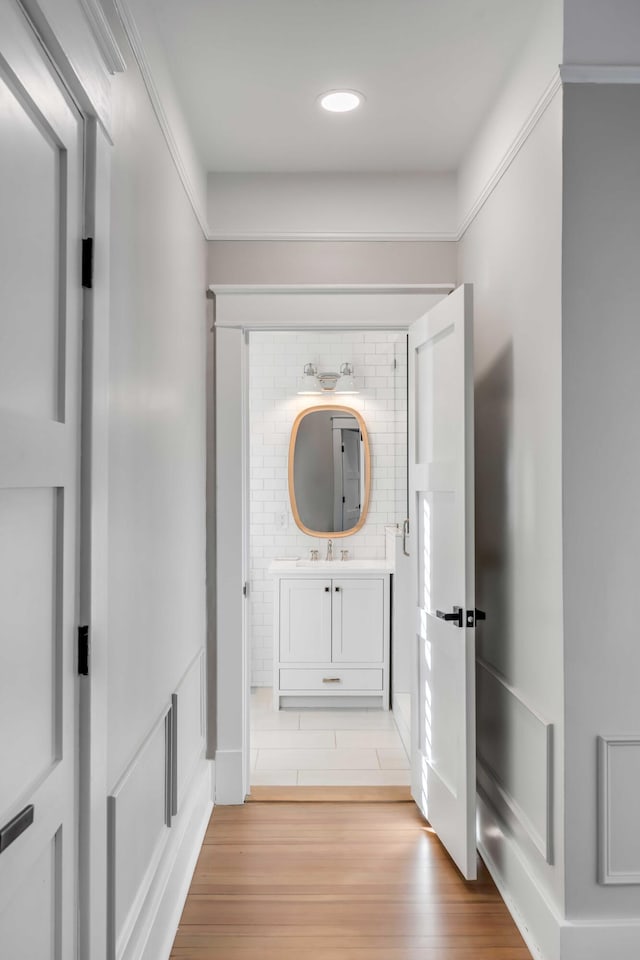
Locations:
column 346, row 384
column 308, row 382
column 308, row 386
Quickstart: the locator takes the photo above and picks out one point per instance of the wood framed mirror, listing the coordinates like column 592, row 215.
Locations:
column 329, row 471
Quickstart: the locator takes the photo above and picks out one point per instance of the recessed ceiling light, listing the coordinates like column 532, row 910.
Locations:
column 340, row 101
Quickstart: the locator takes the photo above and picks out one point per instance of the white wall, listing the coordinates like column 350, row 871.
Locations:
column 157, row 425
column 512, row 255
column 334, row 206
column 601, row 479
column 275, row 365
column 328, row 261
column 156, row 511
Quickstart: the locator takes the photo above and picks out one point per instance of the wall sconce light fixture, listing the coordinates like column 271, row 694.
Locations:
column 312, row 382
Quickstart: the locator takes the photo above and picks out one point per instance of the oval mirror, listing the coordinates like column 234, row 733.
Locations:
column 329, row 471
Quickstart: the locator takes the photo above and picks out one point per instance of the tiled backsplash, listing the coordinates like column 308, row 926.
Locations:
column 275, row 365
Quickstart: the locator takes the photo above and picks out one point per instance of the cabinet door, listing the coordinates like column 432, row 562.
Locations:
column 358, row 621
column 305, row 621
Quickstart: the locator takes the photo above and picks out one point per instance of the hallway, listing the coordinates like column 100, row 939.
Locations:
column 337, row 881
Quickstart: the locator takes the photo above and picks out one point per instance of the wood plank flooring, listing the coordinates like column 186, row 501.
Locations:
column 337, row 881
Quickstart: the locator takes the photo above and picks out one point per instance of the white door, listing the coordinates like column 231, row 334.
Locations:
column 305, row 621
column 442, row 544
column 358, row 621
column 40, row 314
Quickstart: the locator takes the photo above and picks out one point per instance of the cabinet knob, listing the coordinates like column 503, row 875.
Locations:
column 326, row 589
column 337, row 589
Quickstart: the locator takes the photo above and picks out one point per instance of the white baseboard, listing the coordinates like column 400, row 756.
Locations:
column 157, row 922
column 537, row 919
column 229, row 777
column 618, row 940
column 546, row 933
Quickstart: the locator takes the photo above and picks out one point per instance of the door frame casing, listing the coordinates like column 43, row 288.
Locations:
column 239, row 311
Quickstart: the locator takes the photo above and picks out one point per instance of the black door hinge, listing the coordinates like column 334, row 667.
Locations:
column 83, row 651
column 87, row 263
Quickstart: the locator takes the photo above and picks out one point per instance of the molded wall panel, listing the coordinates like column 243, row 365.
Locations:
column 190, row 724
column 137, row 830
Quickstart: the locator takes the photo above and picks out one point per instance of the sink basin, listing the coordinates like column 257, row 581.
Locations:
column 330, row 567
column 319, row 563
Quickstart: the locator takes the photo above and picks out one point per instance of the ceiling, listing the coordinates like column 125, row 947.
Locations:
column 248, row 74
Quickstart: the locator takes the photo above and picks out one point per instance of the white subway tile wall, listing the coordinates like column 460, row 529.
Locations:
column 275, row 365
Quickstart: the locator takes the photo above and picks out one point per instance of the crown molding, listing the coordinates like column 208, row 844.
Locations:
column 242, row 289
column 511, row 153
column 133, row 36
column 599, row 73
column 104, row 36
column 385, row 237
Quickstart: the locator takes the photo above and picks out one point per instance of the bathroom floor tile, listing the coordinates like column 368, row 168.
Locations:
column 368, row 738
column 317, row 760
column 346, row 720
column 353, row 778
column 294, row 739
column 393, row 759
column 274, row 778
column 275, row 721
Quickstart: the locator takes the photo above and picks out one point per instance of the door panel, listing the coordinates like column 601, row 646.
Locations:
column 37, row 895
column 442, row 541
column 41, row 296
column 358, row 621
column 29, row 352
column 305, row 621
column 30, row 707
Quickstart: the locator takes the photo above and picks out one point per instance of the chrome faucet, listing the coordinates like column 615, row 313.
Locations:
column 329, row 555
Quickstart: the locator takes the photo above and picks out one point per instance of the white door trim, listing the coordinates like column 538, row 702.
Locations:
column 256, row 306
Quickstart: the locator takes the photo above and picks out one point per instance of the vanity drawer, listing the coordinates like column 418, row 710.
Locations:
column 330, row 679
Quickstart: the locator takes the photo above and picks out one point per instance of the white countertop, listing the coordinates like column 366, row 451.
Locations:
column 329, row 567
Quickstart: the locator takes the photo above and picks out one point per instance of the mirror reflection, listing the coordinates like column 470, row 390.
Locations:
column 329, row 471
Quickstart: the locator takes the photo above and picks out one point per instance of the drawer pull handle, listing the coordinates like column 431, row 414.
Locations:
column 332, row 679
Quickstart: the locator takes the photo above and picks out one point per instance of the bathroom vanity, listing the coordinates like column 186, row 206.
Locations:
column 331, row 633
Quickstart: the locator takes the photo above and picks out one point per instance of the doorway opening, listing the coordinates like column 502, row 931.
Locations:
column 329, row 676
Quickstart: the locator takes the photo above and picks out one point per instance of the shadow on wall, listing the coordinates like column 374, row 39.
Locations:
column 493, row 442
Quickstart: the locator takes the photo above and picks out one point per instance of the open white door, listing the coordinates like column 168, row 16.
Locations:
column 40, row 324
column 441, row 519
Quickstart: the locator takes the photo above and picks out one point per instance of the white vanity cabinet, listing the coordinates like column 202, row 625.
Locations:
column 331, row 635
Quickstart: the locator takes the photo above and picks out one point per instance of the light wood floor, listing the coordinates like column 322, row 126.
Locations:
column 337, row 881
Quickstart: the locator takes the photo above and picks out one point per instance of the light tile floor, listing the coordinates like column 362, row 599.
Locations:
column 324, row 747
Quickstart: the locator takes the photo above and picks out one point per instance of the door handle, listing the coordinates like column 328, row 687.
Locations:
column 455, row 617
column 12, row 830
column 405, row 534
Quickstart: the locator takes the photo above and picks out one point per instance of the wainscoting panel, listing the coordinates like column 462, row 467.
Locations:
column 515, row 754
column 189, row 708
column 618, row 784
column 137, row 830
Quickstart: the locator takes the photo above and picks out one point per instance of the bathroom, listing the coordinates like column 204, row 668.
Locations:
column 300, row 735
